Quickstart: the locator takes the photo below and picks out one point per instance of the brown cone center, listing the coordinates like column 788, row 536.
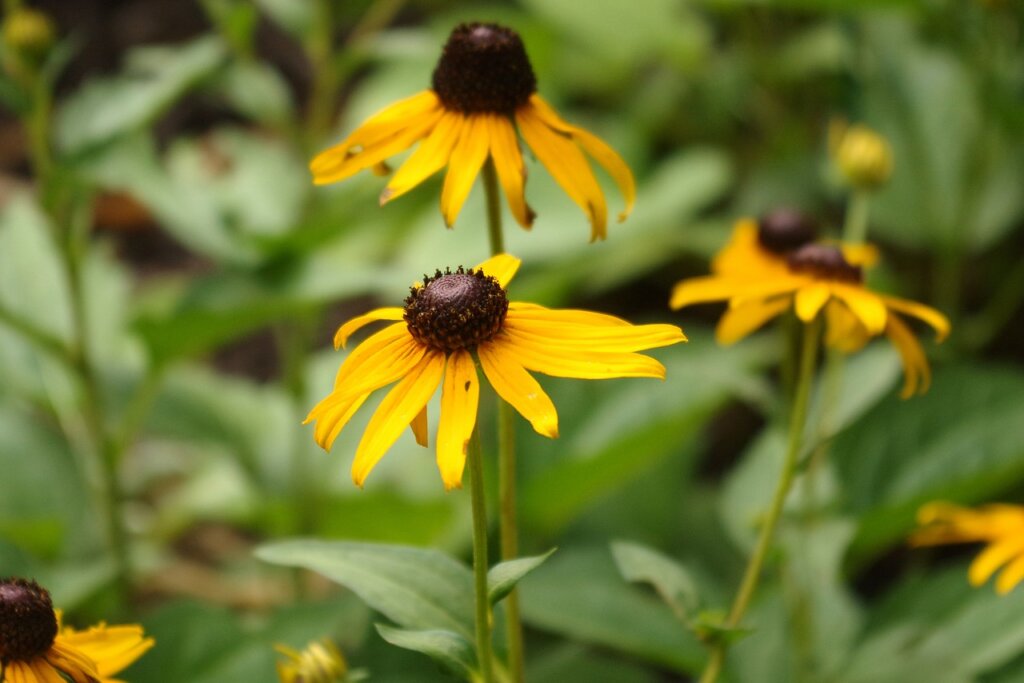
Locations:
column 457, row 310
column 28, row 624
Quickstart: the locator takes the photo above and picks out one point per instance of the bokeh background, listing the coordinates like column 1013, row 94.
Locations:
column 215, row 274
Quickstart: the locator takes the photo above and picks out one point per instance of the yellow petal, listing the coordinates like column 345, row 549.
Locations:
column 355, row 324
column 40, row 671
column 430, row 157
column 72, row 661
column 917, row 374
column 561, row 361
column 739, row 321
column 1010, row 577
column 460, row 395
column 339, row 168
column 698, row 290
column 112, row 648
column 939, row 322
column 567, row 165
column 866, row 305
column 508, row 162
column 994, row 556
column 331, row 415
column 398, row 409
column 514, row 384
column 843, row 330
column 525, row 312
column 365, row 372
column 469, row 155
column 420, row 432
column 810, row 300
column 600, row 338
column 595, row 147
column 502, row 267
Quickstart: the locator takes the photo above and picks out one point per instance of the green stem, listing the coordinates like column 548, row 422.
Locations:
column 752, row 574
column 483, row 605
column 855, row 228
column 508, row 522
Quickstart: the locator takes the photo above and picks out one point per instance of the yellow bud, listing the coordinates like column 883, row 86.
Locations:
column 320, row 662
column 863, row 156
column 29, row 34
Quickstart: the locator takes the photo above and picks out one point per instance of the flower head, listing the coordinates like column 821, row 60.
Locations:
column 453, row 320
column 863, row 157
column 320, row 662
column 815, row 278
column 36, row 648
column 483, row 90
column 1001, row 526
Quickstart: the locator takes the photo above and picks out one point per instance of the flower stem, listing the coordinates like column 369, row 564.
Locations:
column 483, row 605
column 752, row 574
column 508, row 523
column 855, row 227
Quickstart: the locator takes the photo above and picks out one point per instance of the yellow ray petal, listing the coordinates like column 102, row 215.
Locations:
column 600, row 338
column 331, row 415
column 370, row 156
column 355, row 324
column 739, row 321
column 41, row 672
column 561, row 361
column 529, row 313
column 508, row 162
column 468, row 156
column 595, row 147
column 396, row 411
column 994, row 556
column 917, row 374
column 112, row 648
column 460, row 395
column 430, row 157
column 705, row 289
column 843, row 330
column 1010, row 577
column 810, row 299
column 366, row 372
column 939, row 322
column 866, row 305
column 567, row 165
column 502, row 267
column 514, row 384
column 71, row 660
column 420, row 431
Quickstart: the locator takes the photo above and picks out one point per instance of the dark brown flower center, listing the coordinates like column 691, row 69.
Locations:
column 824, row 261
column 457, row 310
column 784, row 229
column 28, row 624
column 484, row 68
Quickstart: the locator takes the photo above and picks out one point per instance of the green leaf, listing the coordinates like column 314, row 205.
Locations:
column 580, row 595
column 503, row 577
column 152, row 79
column 258, row 91
column 416, row 588
column 640, row 564
column 451, row 650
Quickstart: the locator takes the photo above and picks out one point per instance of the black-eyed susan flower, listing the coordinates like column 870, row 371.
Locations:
column 320, row 662
column 816, row 278
column 449, row 323
column 484, row 89
column 758, row 248
column 1001, row 526
column 36, row 648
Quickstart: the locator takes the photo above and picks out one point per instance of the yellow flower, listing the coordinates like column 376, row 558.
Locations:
column 816, row 278
column 483, row 90
column 447, row 320
column 318, row 663
column 36, row 648
column 1001, row 526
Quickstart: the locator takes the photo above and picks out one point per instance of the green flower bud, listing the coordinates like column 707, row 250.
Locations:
column 863, row 157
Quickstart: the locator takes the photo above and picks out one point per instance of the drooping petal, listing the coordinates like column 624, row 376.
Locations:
column 467, row 158
column 430, row 157
column 739, row 321
column 420, row 430
column 527, row 313
column 595, row 147
column 562, row 361
column 355, row 324
column 112, row 648
column 843, row 330
column 331, row 415
column 565, row 162
column 994, row 556
column 502, row 267
column 396, row 412
column 508, row 162
column 866, row 305
column 72, row 661
column 340, row 168
column 810, row 299
column 366, row 372
column 939, row 322
column 599, row 338
column 460, row 395
column 514, row 384
column 43, row 672
column 1011, row 576
column 917, row 374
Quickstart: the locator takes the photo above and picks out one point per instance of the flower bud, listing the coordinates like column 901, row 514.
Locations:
column 863, row 157
column 28, row 35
